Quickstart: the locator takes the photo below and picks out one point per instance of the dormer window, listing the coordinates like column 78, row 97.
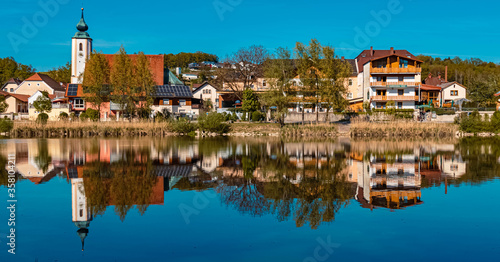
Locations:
column 81, row 47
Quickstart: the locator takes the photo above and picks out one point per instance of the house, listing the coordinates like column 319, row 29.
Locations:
column 354, row 93
column 17, row 104
column 177, row 99
column 389, row 75
column 40, row 82
column 190, row 75
column 11, row 85
column 207, row 92
column 59, row 105
column 452, row 91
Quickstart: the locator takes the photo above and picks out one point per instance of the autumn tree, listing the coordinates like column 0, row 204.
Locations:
column 122, row 81
column 279, row 70
column 3, row 104
column 144, row 86
column 96, row 80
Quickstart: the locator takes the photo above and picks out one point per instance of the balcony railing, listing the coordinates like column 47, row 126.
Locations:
column 393, row 98
column 395, row 84
column 54, row 106
column 397, row 70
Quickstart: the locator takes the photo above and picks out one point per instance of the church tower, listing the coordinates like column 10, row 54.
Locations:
column 81, row 48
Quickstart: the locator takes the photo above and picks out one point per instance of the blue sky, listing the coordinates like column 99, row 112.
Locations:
column 438, row 28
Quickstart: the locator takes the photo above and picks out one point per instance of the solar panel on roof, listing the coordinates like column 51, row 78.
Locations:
column 72, row 89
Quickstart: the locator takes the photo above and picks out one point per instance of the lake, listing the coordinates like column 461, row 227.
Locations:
column 250, row 199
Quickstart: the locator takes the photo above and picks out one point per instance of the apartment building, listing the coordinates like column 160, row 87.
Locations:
column 389, row 75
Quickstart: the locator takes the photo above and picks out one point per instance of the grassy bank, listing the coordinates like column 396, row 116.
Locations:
column 90, row 129
column 402, row 129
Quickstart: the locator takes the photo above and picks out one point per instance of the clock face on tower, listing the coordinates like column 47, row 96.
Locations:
column 80, row 54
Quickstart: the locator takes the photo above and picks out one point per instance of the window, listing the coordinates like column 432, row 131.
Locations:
column 400, row 79
column 350, row 82
column 182, row 102
column 349, row 95
column 264, row 83
column 38, row 84
column 403, row 63
column 401, row 92
column 454, row 92
column 79, row 103
column 166, row 102
column 81, row 47
column 12, row 90
column 400, row 105
column 29, row 84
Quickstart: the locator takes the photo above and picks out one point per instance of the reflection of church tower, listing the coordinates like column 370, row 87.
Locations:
column 81, row 213
column 81, row 47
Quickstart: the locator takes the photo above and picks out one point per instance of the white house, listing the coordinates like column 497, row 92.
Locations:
column 452, row 91
column 207, row 92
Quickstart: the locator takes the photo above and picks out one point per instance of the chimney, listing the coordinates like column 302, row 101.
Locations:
column 446, row 73
column 392, row 50
column 371, row 51
column 342, row 58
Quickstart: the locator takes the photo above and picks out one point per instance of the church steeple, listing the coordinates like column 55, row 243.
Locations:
column 82, row 28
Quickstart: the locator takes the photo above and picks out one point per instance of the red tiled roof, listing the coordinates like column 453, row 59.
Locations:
column 365, row 56
column 48, row 80
column 20, row 97
column 156, row 63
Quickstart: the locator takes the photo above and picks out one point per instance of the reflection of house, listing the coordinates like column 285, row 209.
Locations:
column 391, row 184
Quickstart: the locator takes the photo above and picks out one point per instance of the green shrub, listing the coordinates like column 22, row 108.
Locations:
column 257, row 116
column 63, row 116
column 214, row 123
column 6, row 125
column 42, row 118
column 72, row 116
column 92, row 114
column 144, row 113
column 84, row 116
column 183, row 126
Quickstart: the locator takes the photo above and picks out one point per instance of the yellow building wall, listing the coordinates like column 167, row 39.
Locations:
column 30, row 88
column 53, row 115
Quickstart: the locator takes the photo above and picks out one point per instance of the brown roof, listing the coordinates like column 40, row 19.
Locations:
column 156, row 64
column 20, row 97
column 430, row 88
column 14, row 81
column 48, row 80
column 366, row 56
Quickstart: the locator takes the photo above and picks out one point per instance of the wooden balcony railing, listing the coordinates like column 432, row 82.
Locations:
column 395, row 84
column 397, row 70
column 393, row 98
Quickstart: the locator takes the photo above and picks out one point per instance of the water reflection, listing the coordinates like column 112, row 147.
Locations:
column 307, row 182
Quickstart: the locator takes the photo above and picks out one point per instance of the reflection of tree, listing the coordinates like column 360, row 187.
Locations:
column 481, row 156
column 123, row 184
column 43, row 159
column 313, row 199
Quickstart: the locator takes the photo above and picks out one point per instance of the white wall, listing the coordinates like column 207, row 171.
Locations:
column 462, row 92
column 77, row 61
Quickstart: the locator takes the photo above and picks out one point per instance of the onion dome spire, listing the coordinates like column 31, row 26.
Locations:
column 82, row 28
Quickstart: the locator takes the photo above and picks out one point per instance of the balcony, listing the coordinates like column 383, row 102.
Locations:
column 394, row 84
column 393, row 98
column 397, row 70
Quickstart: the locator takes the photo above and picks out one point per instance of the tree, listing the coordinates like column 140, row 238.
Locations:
column 242, row 69
column 250, row 102
column 9, row 68
column 96, row 80
column 43, row 104
column 61, row 74
column 122, row 81
column 323, row 76
column 279, row 70
column 144, row 84
column 3, row 104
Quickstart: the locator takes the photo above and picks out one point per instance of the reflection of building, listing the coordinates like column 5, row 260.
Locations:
column 80, row 211
column 391, row 183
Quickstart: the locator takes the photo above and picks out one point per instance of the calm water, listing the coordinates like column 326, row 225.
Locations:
column 252, row 200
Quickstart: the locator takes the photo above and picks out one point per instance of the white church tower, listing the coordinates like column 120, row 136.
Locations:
column 81, row 48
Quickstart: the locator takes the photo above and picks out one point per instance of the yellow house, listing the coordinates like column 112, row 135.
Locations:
column 11, row 85
column 40, row 82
